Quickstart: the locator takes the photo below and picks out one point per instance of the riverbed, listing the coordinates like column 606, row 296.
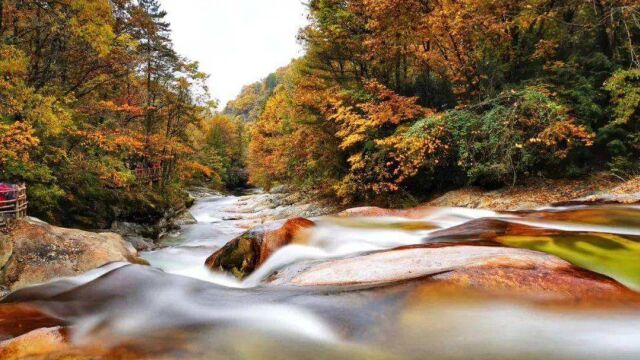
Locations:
column 178, row 309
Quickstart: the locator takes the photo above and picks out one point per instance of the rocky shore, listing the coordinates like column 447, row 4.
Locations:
column 457, row 255
column 596, row 189
column 35, row 252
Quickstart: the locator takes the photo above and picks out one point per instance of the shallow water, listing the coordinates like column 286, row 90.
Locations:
column 179, row 309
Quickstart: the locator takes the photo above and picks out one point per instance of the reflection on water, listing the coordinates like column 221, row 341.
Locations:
column 179, row 309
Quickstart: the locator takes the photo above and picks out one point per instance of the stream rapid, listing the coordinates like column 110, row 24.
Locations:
column 177, row 308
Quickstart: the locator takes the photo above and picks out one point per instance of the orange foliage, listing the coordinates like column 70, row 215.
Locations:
column 360, row 122
column 16, row 141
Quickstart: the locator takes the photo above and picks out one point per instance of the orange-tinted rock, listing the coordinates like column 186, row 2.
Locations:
column 488, row 229
column 498, row 270
column 540, row 282
column 35, row 344
column 243, row 255
column 19, row 319
column 411, row 263
column 598, row 215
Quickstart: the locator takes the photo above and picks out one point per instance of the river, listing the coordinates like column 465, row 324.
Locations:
column 178, row 309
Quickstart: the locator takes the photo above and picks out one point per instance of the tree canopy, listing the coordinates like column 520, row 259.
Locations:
column 401, row 98
column 91, row 90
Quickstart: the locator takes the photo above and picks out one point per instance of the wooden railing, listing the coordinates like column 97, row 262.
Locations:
column 13, row 204
column 149, row 174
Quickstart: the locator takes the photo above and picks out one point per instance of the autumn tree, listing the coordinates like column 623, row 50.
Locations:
column 426, row 95
column 90, row 90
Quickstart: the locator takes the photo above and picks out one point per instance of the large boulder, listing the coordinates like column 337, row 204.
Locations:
column 35, row 252
column 493, row 269
column 143, row 236
column 139, row 235
column 246, row 253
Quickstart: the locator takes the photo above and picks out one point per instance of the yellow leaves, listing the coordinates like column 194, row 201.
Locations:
column 16, row 141
column 48, row 115
column 93, row 23
column 111, row 141
column 381, row 163
column 563, row 136
column 358, row 123
column 462, row 32
column 13, row 62
column 194, row 169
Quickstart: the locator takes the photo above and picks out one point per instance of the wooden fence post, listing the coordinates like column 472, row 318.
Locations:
column 13, row 204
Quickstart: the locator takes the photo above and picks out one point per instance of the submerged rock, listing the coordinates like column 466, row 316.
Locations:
column 246, row 253
column 40, row 252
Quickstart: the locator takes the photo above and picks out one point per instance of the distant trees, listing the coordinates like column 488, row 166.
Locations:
column 409, row 97
column 253, row 98
column 290, row 141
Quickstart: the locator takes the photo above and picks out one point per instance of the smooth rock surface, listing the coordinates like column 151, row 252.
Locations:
column 493, row 269
column 246, row 253
column 41, row 252
column 40, row 343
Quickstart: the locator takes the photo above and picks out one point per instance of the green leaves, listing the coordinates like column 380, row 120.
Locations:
column 624, row 87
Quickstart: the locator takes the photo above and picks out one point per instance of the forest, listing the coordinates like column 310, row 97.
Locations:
column 93, row 90
column 395, row 100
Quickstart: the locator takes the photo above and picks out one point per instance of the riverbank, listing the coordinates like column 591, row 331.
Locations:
column 598, row 188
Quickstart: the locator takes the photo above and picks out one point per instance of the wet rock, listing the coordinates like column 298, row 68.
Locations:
column 144, row 236
column 202, row 192
column 406, row 264
column 19, row 319
column 519, row 272
column 41, row 342
column 140, row 236
column 232, row 218
column 246, row 253
column 185, row 218
column 42, row 252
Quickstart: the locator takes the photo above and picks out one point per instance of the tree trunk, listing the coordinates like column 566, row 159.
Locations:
column 1, row 19
column 606, row 33
column 148, row 115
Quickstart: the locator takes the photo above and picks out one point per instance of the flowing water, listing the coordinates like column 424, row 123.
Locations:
column 178, row 309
